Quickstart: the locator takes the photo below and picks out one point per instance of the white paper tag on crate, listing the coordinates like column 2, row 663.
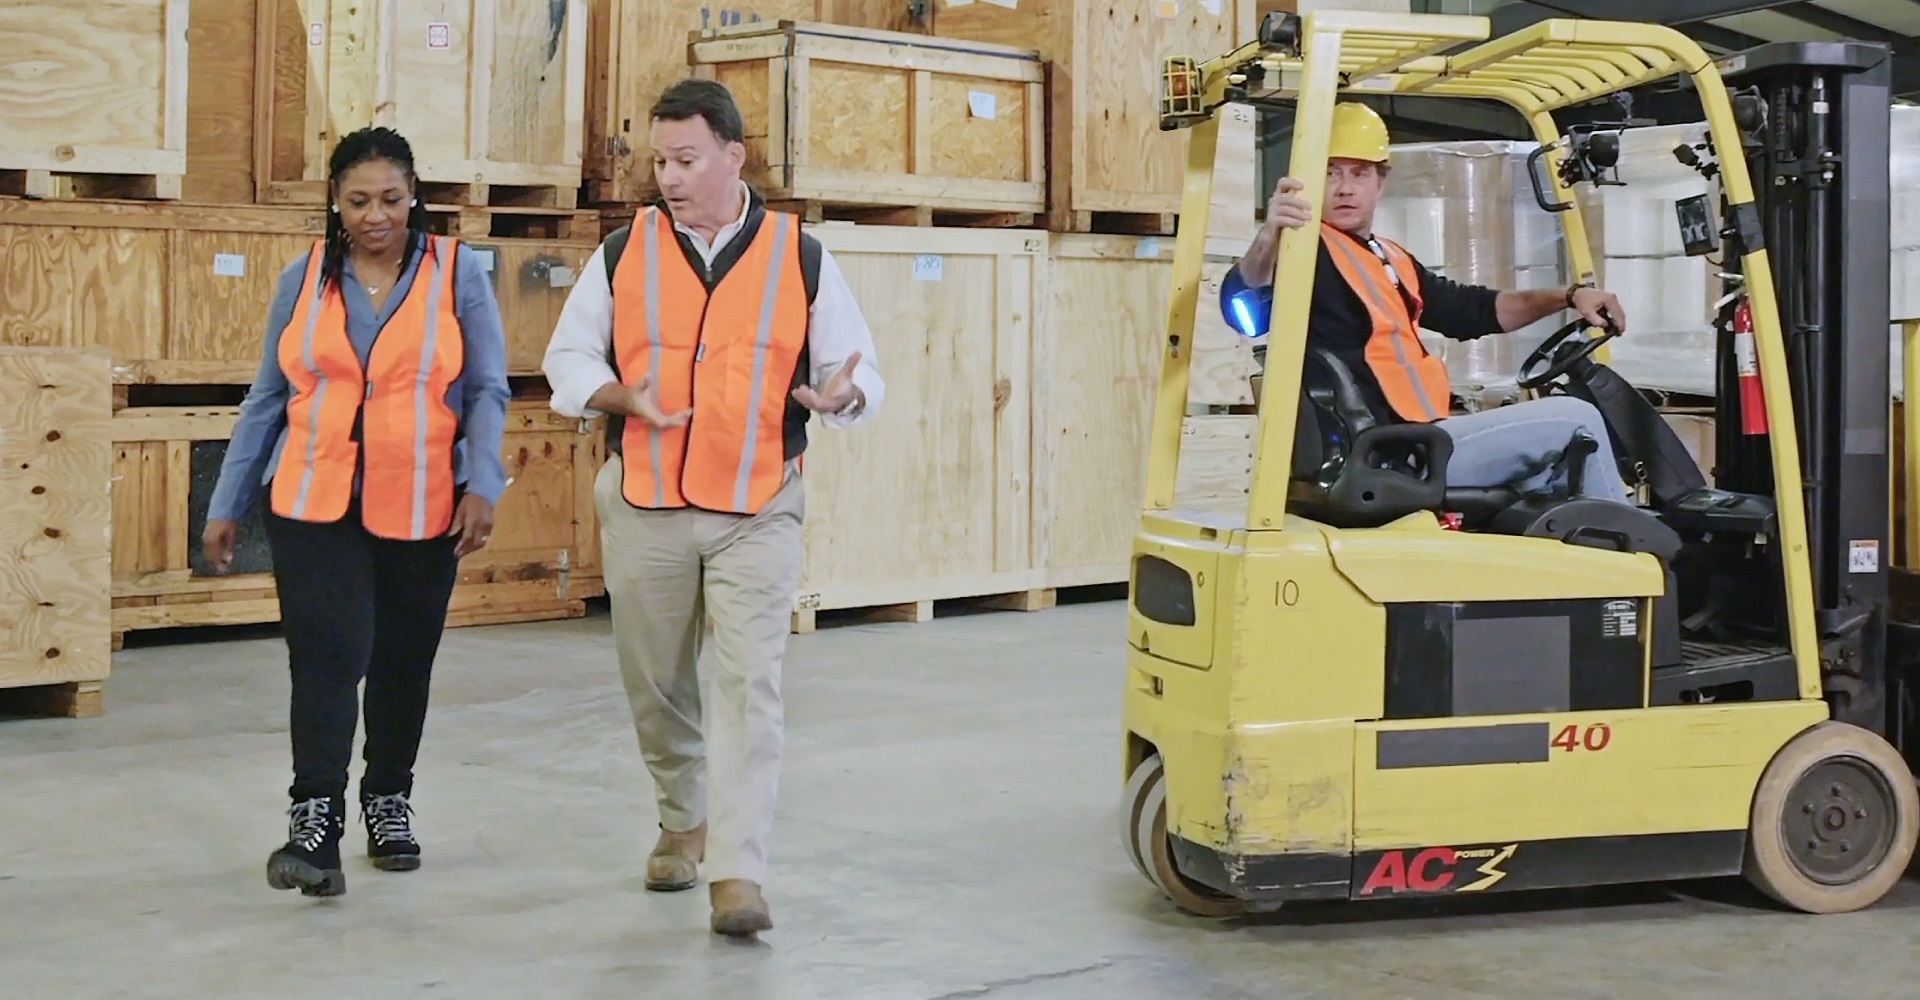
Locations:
column 1148, row 248
column 439, row 35
column 316, row 34
column 230, row 265
column 982, row 105
column 929, row 267
column 1213, row 6
column 1008, row 4
column 959, row 3
column 1166, row 8
column 560, row 276
column 1863, row 555
column 483, row 255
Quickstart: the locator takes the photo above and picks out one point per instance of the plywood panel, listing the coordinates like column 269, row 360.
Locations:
column 543, row 561
column 1098, row 351
column 932, row 498
column 55, row 406
column 97, row 87
column 514, row 119
column 68, row 286
column 220, row 34
column 181, row 293
column 1107, row 152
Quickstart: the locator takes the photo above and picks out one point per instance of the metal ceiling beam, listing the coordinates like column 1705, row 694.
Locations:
column 1523, row 13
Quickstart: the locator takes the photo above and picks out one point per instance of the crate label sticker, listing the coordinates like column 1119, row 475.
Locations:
column 982, row 105
column 1167, row 8
column 1863, row 555
column 1008, row 4
column 959, row 3
column 230, row 265
column 559, row 276
column 928, row 267
column 1148, row 248
column 439, row 35
column 1213, row 6
column 484, row 256
column 316, row 34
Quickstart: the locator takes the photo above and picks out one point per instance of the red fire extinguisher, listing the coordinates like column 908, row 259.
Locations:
column 1746, row 358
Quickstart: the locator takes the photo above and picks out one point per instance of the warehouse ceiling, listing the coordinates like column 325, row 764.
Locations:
column 1720, row 26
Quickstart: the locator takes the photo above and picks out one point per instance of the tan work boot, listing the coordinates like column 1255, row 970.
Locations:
column 674, row 863
column 738, row 909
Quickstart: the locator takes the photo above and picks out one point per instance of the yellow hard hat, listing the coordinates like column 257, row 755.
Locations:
column 1358, row 133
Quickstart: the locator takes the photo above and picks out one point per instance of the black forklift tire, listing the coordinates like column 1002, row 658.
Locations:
column 1145, row 812
column 1834, row 821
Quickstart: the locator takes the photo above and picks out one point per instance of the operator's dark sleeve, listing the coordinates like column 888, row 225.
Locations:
column 1454, row 310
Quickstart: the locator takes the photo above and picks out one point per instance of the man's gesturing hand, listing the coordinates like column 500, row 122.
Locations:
column 643, row 402
column 838, row 394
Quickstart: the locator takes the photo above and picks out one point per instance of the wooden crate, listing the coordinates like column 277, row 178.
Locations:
column 1097, row 359
column 932, row 499
column 55, row 406
column 180, row 294
column 1112, row 168
column 93, row 101
column 639, row 47
column 511, row 132
column 841, row 117
column 543, row 562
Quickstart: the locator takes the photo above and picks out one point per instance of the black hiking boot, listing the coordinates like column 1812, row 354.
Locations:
column 310, row 859
column 390, row 841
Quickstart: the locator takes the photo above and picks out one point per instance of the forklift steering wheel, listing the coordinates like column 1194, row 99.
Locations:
column 1563, row 361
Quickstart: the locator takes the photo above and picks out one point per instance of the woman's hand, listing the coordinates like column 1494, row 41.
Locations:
column 217, row 543
column 473, row 522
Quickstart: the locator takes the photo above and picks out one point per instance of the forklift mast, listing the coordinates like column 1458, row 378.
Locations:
column 1816, row 120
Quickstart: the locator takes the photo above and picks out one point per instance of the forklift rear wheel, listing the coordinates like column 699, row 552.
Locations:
column 1144, row 830
column 1834, row 821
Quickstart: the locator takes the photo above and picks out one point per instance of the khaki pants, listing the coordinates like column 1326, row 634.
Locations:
column 666, row 571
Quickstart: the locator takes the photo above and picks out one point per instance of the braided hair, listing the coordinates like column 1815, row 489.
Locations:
column 364, row 146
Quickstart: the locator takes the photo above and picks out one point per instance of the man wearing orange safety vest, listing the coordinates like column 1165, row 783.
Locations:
column 1370, row 298
column 708, row 331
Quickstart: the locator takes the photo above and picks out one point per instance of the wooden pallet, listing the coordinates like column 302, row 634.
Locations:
column 58, row 185
column 475, row 222
column 1114, row 223
column 903, row 215
column 72, row 700
column 809, row 619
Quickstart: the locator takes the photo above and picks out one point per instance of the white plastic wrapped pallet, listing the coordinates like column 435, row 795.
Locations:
column 1466, row 211
column 1904, row 265
column 1635, row 236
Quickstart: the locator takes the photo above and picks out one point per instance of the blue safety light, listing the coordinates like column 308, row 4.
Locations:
column 1247, row 311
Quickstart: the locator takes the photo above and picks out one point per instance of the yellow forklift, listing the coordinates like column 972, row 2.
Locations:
column 1369, row 684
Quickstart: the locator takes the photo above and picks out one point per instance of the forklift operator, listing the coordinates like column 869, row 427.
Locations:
column 1375, row 332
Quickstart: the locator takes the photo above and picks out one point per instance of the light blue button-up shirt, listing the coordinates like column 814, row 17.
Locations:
column 478, row 397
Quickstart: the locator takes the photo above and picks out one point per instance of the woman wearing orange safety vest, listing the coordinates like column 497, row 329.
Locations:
column 373, row 430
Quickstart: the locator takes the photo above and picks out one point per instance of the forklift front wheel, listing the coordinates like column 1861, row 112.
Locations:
column 1834, row 821
column 1143, row 818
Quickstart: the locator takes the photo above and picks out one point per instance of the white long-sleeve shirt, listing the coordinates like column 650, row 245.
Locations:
column 576, row 360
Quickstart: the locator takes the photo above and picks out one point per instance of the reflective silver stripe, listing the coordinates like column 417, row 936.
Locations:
column 1381, row 302
column 428, row 341
column 775, row 268
column 314, row 405
column 652, row 244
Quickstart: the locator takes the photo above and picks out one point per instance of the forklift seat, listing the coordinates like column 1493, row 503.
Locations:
column 1352, row 470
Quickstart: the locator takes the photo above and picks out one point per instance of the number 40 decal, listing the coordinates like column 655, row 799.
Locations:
column 1593, row 737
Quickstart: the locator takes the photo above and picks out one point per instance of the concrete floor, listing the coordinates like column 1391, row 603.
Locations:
column 947, row 831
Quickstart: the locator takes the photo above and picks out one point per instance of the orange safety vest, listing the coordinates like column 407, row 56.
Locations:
column 397, row 404
column 1414, row 381
column 730, row 354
